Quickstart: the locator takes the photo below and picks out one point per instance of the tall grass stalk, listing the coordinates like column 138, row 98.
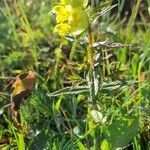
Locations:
column 10, row 20
column 133, row 17
column 26, row 25
column 19, row 137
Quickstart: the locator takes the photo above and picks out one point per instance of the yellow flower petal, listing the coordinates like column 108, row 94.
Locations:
column 62, row 29
column 62, row 12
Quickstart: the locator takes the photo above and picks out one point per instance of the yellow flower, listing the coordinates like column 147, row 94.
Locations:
column 62, row 12
column 62, row 29
column 70, row 19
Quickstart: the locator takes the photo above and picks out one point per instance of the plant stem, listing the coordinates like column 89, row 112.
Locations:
column 91, row 69
column 91, row 81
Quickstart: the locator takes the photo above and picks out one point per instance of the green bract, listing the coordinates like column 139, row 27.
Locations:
column 77, row 3
column 65, row 2
column 78, row 21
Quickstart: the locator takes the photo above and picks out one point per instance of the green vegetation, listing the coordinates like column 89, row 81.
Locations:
column 92, row 66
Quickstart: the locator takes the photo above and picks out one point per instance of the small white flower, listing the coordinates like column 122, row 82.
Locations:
column 97, row 116
column 149, row 10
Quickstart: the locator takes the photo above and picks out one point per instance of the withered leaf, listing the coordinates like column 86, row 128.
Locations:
column 23, row 83
column 21, row 87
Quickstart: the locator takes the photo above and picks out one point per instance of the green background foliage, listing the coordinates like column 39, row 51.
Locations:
column 57, row 114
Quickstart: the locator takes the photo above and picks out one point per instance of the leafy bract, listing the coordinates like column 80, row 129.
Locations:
column 65, row 2
column 77, row 3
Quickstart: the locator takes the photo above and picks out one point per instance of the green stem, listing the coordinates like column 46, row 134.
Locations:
column 73, row 50
column 91, row 69
column 91, row 82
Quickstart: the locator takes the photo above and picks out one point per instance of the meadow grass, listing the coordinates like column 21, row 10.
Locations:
column 76, row 105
